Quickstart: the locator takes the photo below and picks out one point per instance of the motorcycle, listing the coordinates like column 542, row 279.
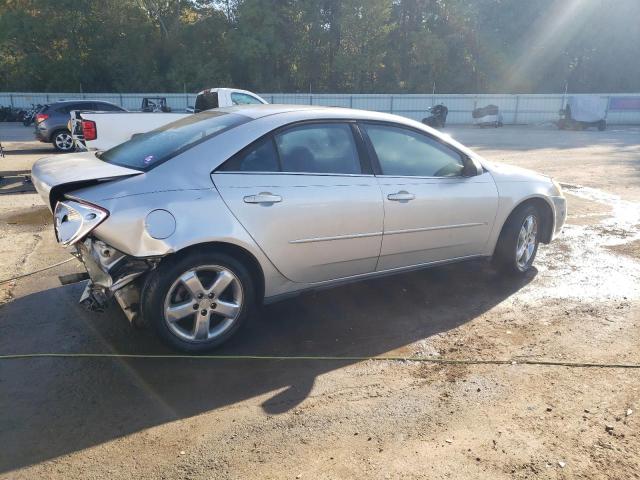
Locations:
column 30, row 115
column 438, row 117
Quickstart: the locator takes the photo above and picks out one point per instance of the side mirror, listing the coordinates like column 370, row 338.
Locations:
column 471, row 168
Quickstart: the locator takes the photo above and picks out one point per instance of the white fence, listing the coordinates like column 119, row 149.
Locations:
column 516, row 109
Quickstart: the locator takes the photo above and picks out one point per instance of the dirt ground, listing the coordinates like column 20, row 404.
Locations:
column 121, row 418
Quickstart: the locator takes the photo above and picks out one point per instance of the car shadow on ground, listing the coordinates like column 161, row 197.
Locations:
column 31, row 151
column 51, row 407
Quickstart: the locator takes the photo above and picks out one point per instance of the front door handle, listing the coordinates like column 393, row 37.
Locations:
column 263, row 197
column 401, row 196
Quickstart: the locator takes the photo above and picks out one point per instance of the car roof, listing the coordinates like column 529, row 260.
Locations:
column 255, row 111
column 80, row 100
column 222, row 89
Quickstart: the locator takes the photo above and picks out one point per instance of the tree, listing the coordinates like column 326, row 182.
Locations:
column 320, row 45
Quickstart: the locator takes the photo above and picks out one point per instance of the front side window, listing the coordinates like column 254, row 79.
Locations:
column 147, row 150
column 318, row 148
column 244, row 99
column 404, row 152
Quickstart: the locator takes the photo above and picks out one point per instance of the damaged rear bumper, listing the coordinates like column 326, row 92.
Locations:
column 112, row 274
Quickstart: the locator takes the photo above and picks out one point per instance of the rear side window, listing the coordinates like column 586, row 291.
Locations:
column 311, row 148
column 148, row 150
column 259, row 157
column 319, row 148
column 206, row 101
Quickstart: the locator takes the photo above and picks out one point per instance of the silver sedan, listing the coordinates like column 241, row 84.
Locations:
column 191, row 226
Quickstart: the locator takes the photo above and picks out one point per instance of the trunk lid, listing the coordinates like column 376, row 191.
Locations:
column 54, row 176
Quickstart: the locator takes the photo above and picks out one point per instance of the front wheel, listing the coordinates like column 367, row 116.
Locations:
column 198, row 301
column 519, row 240
column 62, row 141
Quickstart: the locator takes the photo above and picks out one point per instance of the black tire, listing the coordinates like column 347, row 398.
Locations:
column 59, row 140
column 161, row 280
column 505, row 256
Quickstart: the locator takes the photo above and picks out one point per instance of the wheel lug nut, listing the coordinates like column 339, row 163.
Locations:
column 200, row 295
column 213, row 305
column 210, row 295
column 203, row 312
column 196, row 306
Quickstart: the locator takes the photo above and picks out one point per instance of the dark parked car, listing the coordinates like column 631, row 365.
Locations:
column 52, row 119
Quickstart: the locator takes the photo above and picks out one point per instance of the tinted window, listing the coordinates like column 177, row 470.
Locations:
column 244, row 99
column 107, row 107
column 260, row 157
column 405, row 152
column 66, row 108
column 149, row 149
column 206, row 101
column 318, row 148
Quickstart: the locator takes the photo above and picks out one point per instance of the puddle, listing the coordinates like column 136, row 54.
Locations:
column 39, row 215
column 596, row 261
column 631, row 249
column 625, row 215
column 15, row 182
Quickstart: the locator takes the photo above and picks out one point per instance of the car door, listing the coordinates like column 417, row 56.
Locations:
column 433, row 211
column 309, row 200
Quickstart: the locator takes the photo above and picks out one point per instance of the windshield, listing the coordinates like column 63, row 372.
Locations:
column 148, row 150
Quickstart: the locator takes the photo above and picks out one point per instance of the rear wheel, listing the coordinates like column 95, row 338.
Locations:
column 198, row 301
column 519, row 240
column 62, row 141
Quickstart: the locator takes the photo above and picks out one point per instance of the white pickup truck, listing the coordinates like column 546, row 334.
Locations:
column 103, row 130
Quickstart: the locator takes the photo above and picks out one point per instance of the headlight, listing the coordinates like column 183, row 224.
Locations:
column 74, row 220
column 557, row 187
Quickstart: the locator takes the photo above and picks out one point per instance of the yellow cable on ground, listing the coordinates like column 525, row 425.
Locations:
column 446, row 361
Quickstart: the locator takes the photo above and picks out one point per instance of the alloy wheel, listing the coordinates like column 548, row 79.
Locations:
column 526, row 244
column 203, row 303
column 64, row 141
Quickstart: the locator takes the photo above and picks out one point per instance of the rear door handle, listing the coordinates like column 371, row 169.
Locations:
column 263, row 197
column 401, row 196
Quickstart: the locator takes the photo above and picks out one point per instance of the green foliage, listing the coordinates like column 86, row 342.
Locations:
column 320, row 45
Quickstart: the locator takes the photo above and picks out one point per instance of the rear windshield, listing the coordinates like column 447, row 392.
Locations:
column 148, row 150
column 206, row 101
